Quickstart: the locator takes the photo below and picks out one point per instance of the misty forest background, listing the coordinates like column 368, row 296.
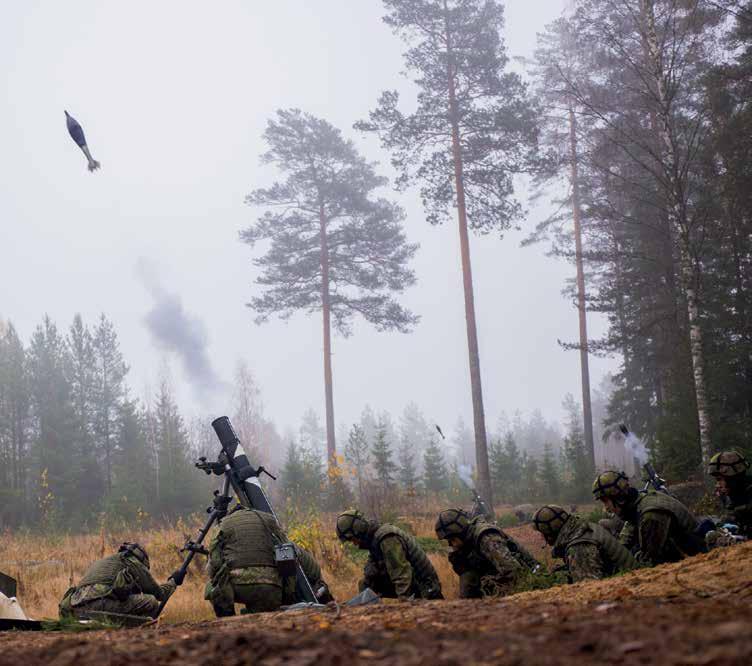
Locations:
column 634, row 113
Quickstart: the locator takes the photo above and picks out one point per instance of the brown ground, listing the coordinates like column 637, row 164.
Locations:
column 694, row 612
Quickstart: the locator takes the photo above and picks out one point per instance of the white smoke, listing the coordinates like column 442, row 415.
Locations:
column 465, row 473
column 636, row 447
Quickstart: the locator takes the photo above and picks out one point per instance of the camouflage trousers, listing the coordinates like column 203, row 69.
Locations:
column 260, row 589
column 144, row 605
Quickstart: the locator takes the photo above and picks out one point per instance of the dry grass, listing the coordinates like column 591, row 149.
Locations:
column 46, row 565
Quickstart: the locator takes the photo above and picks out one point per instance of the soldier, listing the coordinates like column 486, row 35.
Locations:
column 121, row 584
column 589, row 550
column 488, row 561
column 397, row 566
column 734, row 488
column 242, row 569
column 657, row 527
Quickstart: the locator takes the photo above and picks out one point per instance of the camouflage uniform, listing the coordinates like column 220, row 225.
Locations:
column 242, row 569
column 489, row 563
column 397, row 566
column 120, row 583
column 657, row 528
column 737, row 503
column 589, row 551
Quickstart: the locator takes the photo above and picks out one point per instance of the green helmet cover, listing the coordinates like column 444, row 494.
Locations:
column 611, row 484
column 452, row 523
column 352, row 524
column 728, row 464
column 549, row 520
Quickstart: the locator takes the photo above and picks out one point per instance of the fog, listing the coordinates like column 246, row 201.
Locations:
column 173, row 97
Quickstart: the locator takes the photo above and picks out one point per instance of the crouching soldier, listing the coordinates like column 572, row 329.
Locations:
column 120, row 584
column 657, row 528
column 397, row 566
column 488, row 561
column 588, row 549
column 242, row 568
column 733, row 486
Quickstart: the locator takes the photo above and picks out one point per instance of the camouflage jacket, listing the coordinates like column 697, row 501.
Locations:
column 117, row 577
column 589, row 551
column 738, row 508
column 658, row 528
column 242, row 549
column 489, row 551
column 397, row 558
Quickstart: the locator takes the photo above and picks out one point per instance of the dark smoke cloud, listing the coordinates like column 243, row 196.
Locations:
column 176, row 330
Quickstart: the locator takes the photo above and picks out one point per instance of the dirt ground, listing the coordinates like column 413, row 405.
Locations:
column 693, row 612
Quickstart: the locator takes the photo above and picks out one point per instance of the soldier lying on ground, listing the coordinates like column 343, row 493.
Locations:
column 487, row 560
column 120, row 583
column 733, row 486
column 242, row 567
column 397, row 566
column 657, row 527
column 589, row 550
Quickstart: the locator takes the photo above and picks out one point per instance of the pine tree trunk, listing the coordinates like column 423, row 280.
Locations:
column 479, row 419
column 587, row 412
column 331, row 452
column 679, row 222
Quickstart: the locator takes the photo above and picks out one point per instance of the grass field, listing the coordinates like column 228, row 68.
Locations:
column 45, row 565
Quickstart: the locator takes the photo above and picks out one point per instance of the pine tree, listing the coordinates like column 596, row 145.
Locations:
column 358, row 455
column 435, row 476
column 407, row 474
column 109, row 389
column 581, row 473
column 54, row 426
column 381, row 452
column 335, row 247
column 473, row 128
column 177, row 491
column 15, row 424
column 550, row 477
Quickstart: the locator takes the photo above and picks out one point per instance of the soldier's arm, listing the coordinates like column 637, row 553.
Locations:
column 215, row 554
column 653, row 532
column 627, row 536
column 144, row 580
column 399, row 569
column 585, row 562
column 493, row 548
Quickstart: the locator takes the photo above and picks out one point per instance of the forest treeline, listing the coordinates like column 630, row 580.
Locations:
column 648, row 119
column 77, row 448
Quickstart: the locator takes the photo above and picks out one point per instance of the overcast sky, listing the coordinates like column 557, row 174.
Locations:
column 173, row 97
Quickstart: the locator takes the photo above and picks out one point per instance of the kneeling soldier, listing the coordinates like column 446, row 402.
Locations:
column 733, row 486
column 120, row 583
column 397, row 566
column 589, row 550
column 242, row 568
column 487, row 560
column 657, row 528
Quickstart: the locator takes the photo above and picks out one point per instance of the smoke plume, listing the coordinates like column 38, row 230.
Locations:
column 636, row 447
column 175, row 330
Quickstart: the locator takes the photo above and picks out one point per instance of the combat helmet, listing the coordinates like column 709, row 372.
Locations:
column 138, row 551
column 352, row 524
column 611, row 485
column 549, row 520
column 452, row 523
column 728, row 464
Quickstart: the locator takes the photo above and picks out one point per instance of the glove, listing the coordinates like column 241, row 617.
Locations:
column 178, row 576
